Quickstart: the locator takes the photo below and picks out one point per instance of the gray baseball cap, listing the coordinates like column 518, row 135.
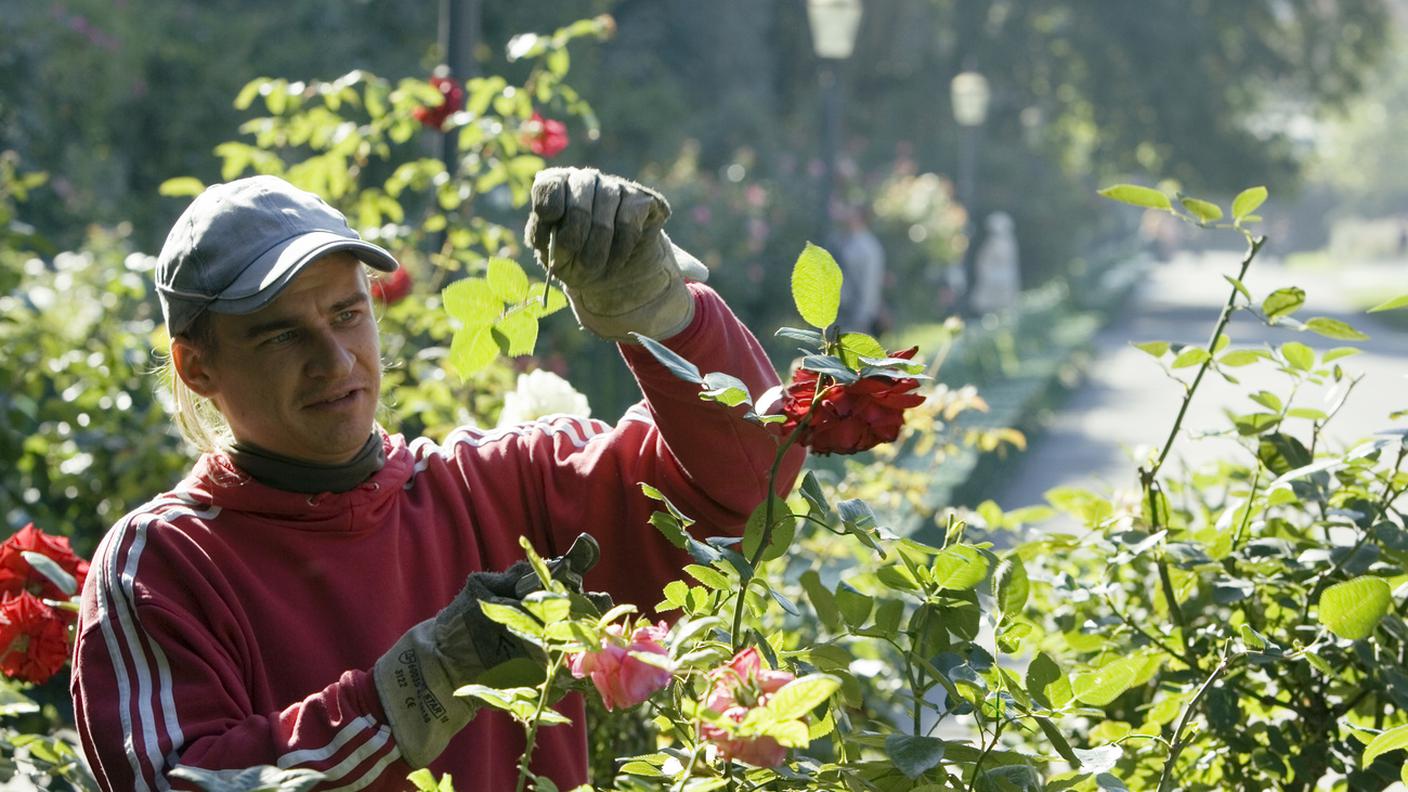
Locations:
column 239, row 244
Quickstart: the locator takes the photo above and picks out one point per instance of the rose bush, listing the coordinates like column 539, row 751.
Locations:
column 451, row 102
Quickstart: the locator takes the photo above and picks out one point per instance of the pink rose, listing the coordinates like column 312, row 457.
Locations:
column 739, row 687
column 622, row 679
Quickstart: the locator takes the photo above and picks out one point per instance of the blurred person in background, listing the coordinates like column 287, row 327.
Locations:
column 997, row 267
column 862, row 260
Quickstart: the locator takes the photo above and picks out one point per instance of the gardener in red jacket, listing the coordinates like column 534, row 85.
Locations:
column 300, row 600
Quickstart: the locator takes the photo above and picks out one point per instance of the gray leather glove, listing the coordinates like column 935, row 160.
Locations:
column 621, row 272
column 417, row 678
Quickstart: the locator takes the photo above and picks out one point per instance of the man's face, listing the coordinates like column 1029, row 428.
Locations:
column 299, row 377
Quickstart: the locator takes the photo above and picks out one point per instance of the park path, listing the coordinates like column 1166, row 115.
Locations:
column 1125, row 402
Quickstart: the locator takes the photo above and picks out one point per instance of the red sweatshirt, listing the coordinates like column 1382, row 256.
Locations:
column 228, row 624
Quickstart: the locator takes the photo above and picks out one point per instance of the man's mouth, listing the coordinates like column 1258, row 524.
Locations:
column 336, row 399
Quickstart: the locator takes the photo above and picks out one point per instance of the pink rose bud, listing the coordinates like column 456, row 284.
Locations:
column 622, row 679
column 739, row 687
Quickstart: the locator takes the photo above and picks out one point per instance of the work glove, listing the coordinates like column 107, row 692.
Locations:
column 417, row 678
column 602, row 236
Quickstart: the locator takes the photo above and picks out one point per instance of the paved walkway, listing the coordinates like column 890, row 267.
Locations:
column 1126, row 403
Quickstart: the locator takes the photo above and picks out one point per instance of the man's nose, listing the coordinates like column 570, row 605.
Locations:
column 331, row 358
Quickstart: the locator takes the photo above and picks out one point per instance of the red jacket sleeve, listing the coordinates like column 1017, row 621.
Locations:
column 710, row 462
column 140, row 654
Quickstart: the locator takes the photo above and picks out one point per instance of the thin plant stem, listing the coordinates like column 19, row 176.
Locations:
column 978, row 765
column 763, row 541
column 1177, row 745
column 531, row 740
column 1222, row 320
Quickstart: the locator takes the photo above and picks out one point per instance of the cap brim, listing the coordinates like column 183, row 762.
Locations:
column 268, row 275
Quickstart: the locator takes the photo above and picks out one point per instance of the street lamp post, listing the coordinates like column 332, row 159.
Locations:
column 970, row 94
column 834, row 24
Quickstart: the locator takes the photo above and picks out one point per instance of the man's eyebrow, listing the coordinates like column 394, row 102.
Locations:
column 284, row 324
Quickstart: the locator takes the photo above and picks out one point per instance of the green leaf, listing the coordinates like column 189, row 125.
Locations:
column 472, row 350
column 1135, row 195
column 1334, row 328
column 816, row 286
column 507, row 279
column 1103, row 685
column 1283, row 302
column 516, row 334
column 1239, row 286
column 671, row 360
column 1156, row 348
column 1298, row 355
column 1339, row 352
column 50, row 569
column 855, row 346
column 512, row 617
column 671, row 527
column 784, row 529
column 1058, row 740
column 854, row 606
column 803, row 694
column 1246, row 202
column 1241, row 357
column 1010, row 586
column 472, row 301
column 181, row 187
column 1391, row 740
column 725, row 389
column 1203, row 210
column 1400, row 301
column 959, row 567
column 823, row 602
column 1191, row 356
column 914, row 756
column 709, row 576
column 1352, row 609
column 1042, row 674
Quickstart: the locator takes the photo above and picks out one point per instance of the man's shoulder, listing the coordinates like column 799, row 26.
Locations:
column 574, row 430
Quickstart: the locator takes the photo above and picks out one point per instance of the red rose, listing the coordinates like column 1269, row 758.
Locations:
column 452, row 100
column 392, row 287
column 17, row 575
column 739, row 687
column 33, row 638
column 546, row 137
column 848, row 418
column 620, row 676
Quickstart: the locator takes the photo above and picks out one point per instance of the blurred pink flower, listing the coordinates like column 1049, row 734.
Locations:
column 739, row 687
column 622, row 679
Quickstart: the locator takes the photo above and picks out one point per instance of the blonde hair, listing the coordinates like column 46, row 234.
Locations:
column 199, row 420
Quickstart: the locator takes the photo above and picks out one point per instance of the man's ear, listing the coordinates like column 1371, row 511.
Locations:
column 193, row 366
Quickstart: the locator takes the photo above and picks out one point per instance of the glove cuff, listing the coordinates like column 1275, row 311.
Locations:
column 418, row 696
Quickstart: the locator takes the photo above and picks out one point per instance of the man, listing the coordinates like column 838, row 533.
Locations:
column 300, row 599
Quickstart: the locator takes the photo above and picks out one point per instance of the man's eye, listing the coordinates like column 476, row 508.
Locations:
column 346, row 316
column 281, row 338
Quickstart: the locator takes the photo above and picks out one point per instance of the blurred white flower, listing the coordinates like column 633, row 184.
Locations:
column 539, row 394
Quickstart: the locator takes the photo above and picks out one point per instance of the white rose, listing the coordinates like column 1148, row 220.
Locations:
column 540, row 394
